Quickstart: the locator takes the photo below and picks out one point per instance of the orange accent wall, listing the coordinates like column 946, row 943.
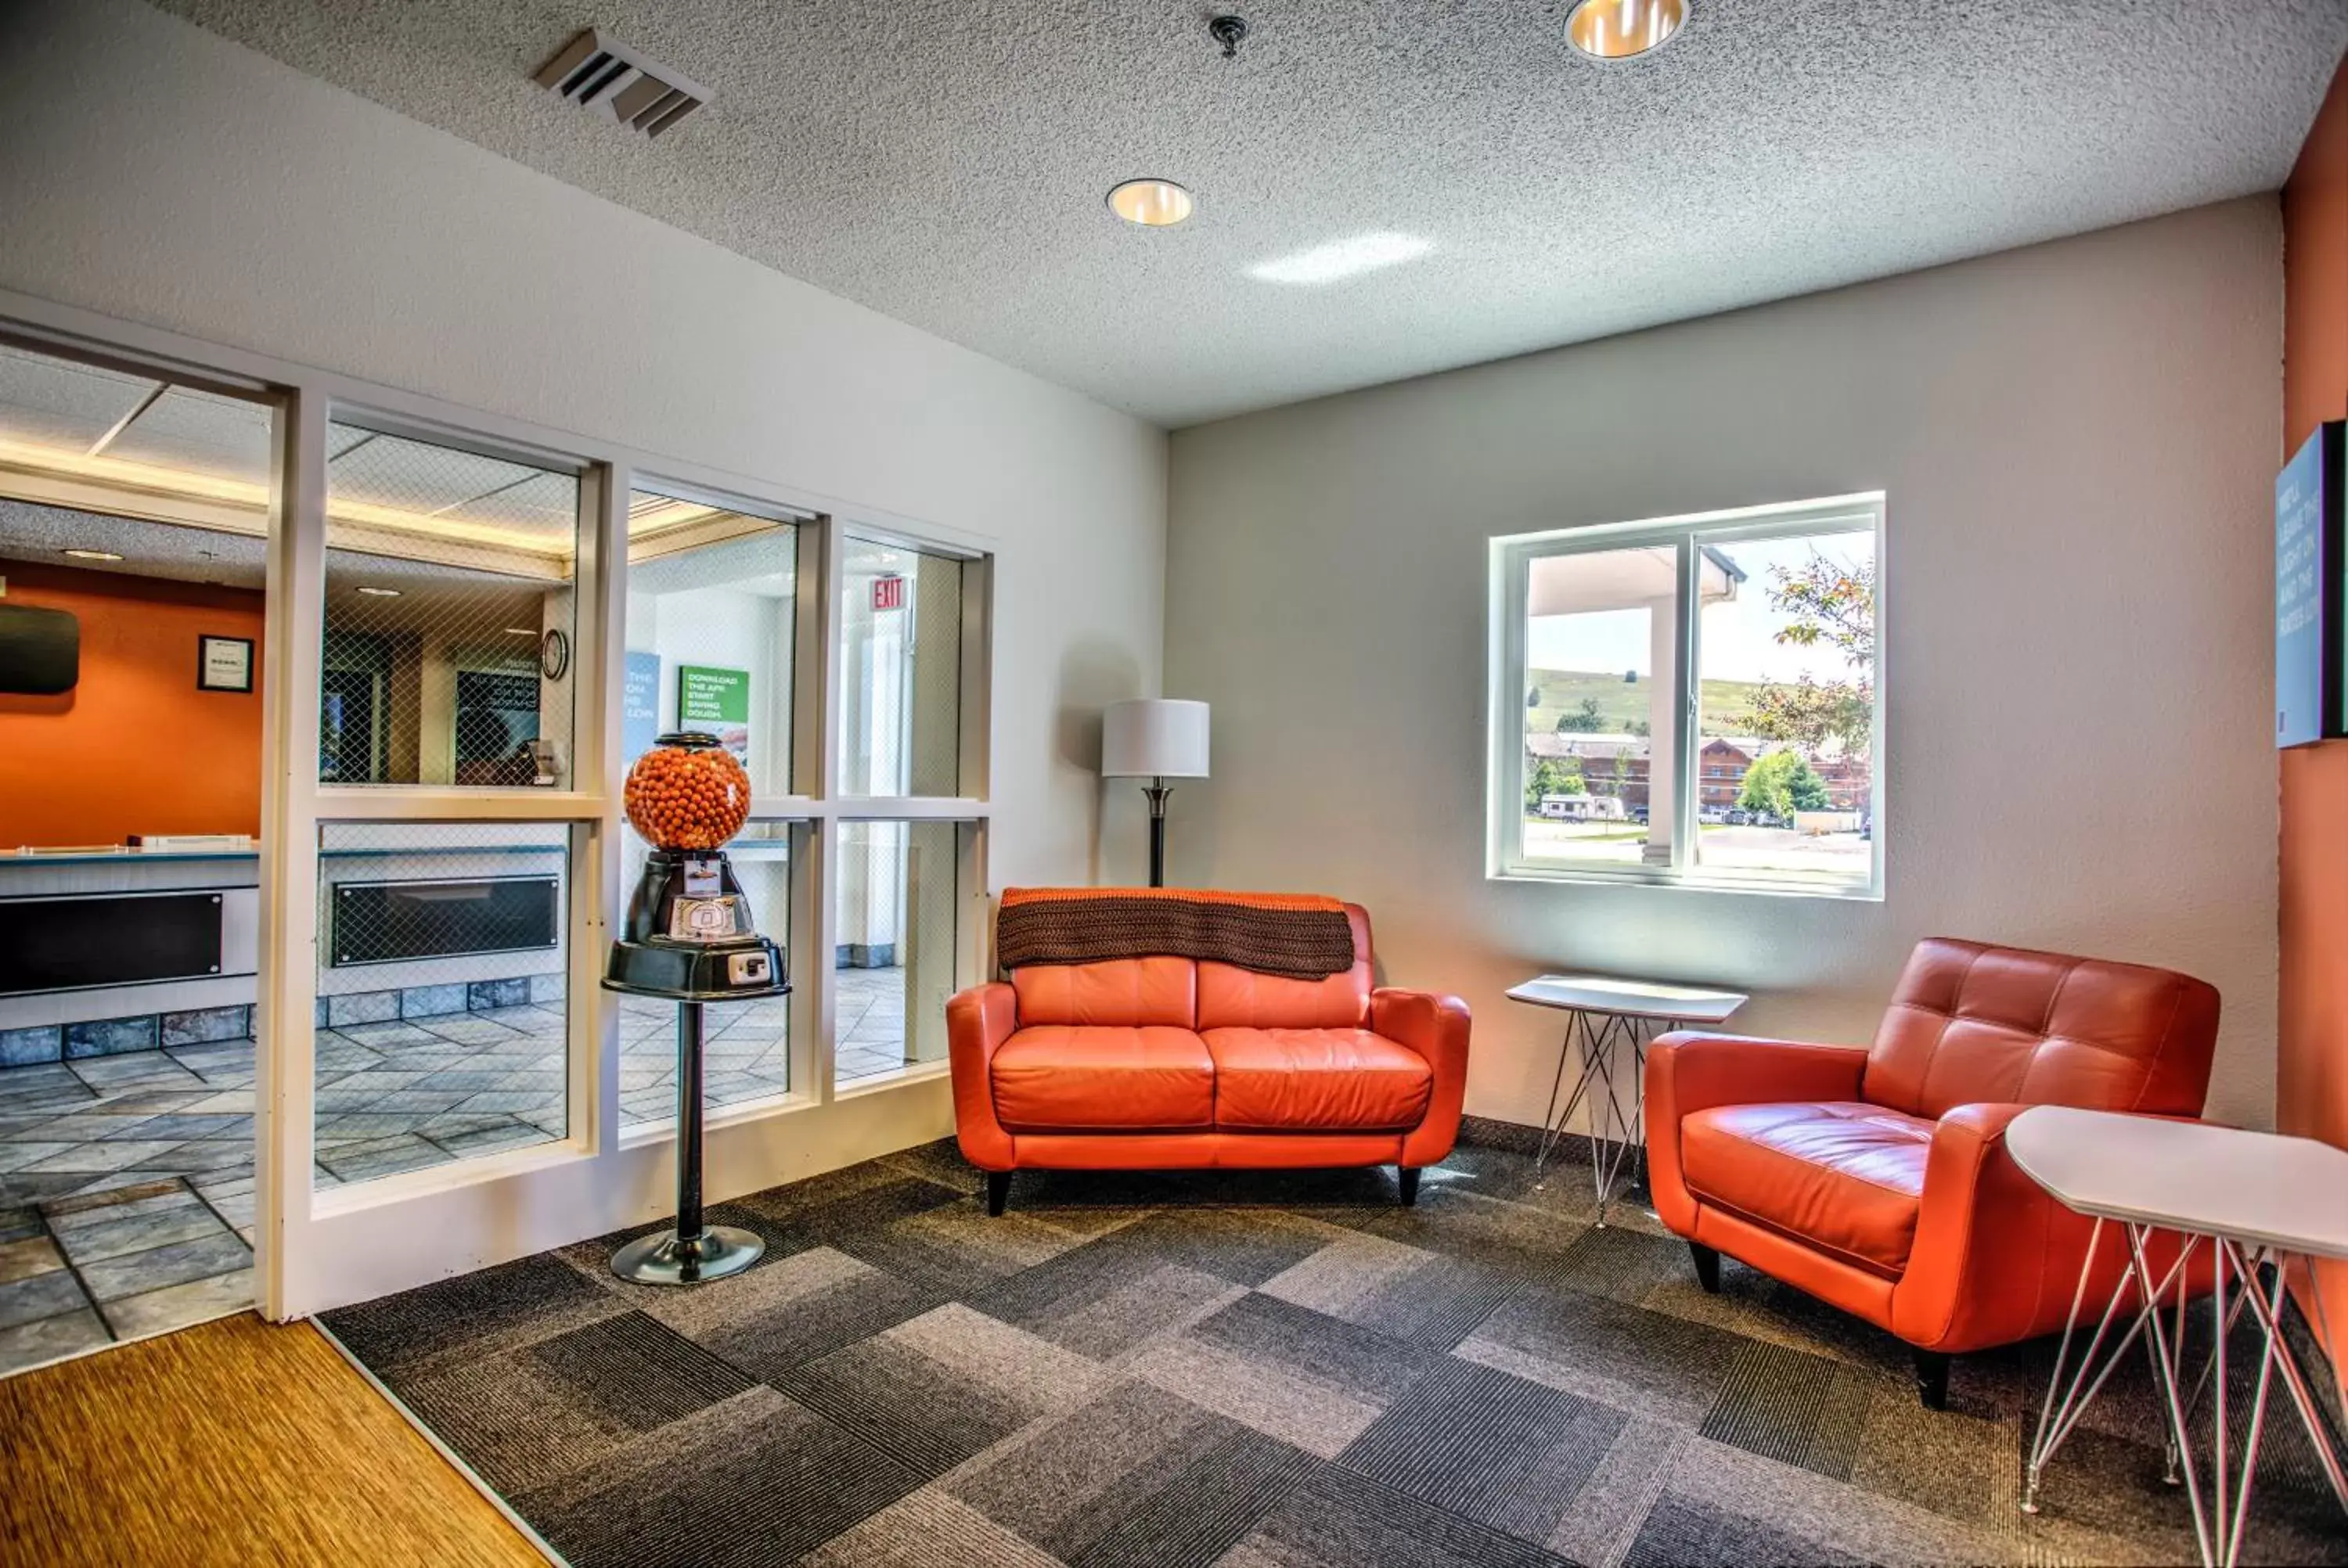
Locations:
column 134, row 747
column 2311, row 1071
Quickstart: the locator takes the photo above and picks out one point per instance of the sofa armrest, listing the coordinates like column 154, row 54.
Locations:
column 1436, row 1028
column 1689, row 1072
column 1996, row 1258
column 978, row 1021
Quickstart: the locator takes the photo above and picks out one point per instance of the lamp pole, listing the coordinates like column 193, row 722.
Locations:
column 1158, row 789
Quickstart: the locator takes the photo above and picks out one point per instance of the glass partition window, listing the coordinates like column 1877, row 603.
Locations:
column 746, row 1045
column 712, row 619
column 1760, row 770
column 449, row 616
column 442, row 1010
column 901, row 700
column 898, row 905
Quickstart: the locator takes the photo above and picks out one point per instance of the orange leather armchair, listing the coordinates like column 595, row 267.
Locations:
column 1877, row 1179
column 1163, row 1063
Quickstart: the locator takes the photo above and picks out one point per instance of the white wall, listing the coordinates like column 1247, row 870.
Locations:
column 2077, row 440
column 158, row 173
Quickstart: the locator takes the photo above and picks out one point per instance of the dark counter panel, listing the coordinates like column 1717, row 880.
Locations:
column 391, row 922
column 108, row 939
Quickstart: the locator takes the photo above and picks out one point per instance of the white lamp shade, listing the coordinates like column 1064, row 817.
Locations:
column 1158, row 737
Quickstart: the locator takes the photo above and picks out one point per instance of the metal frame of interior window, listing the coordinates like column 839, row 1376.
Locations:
column 1511, row 558
column 318, row 1250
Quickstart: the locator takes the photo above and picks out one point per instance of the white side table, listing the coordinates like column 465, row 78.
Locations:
column 2249, row 1199
column 1602, row 1014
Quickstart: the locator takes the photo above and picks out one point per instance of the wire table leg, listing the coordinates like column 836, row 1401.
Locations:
column 2057, row 1417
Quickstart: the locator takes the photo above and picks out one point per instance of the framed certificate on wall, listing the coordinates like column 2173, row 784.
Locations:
column 223, row 664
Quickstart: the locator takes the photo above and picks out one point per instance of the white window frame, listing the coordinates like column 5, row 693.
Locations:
column 1511, row 558
column 317, row 1249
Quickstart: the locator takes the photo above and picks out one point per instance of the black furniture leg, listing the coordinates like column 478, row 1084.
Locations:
column 1409, row 1174
column 692, row 1251
column 1933, row 1379
column 1707, row 1266
column 998, row 1191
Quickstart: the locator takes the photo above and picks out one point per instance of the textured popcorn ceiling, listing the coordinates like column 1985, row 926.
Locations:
column 945, row 160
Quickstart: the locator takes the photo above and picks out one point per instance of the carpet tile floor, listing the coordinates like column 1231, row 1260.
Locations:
column 1260, row 1370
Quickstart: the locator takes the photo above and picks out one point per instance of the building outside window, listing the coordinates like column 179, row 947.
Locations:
column 1759, row 768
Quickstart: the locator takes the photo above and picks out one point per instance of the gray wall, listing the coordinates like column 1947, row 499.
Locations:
column 2078, row 441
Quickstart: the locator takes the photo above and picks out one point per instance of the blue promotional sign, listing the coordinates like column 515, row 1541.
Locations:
column 640, row 690
column 2308, row 597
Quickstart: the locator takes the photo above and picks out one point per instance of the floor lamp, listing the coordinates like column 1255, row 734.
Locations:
column 1155, row 739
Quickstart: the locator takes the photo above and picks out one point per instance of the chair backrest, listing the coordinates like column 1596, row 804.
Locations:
column 1156, row 990
column 1972, row 1023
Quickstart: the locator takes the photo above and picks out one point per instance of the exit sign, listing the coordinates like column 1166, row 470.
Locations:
column 888, row 592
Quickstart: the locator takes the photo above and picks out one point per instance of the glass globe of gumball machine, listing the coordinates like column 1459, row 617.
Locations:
column 690, row 938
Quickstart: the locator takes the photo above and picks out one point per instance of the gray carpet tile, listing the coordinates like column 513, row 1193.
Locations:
column 1254, row 1369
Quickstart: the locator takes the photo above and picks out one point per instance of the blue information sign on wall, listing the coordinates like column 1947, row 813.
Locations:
column 640, row 690
column 2308, row 591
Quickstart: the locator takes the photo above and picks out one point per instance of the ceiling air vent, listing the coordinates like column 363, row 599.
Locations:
column 597, row 74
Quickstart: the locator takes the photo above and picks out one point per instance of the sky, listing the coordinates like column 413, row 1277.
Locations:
column 1737, row 641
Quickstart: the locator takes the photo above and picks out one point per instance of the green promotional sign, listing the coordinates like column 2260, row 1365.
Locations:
column 717, row 700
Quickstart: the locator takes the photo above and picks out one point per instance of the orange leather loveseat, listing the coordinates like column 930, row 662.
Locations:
column 1155, row 1063
column 1877, row 1179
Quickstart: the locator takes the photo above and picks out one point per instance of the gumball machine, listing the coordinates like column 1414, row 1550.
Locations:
column 690, row 938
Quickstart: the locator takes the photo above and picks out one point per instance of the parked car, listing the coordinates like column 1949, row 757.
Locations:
column 1738, row 817
column 1717, row 816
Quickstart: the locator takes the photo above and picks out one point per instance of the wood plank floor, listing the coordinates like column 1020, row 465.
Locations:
column 234, row 1442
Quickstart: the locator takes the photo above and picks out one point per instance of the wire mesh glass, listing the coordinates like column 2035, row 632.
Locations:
column 449, row 616
column 712, row 617
column 442, row 1016
column 746, row 1045
column 899, row 932
column 900, row 671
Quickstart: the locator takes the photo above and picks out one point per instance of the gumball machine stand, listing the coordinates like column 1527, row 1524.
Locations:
column 690, row 938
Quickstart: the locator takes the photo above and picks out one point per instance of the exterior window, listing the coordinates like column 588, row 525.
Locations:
column 1763, row 771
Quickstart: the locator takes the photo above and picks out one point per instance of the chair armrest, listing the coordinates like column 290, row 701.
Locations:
column 1997, row 1259
column 1436, row 1028
column 978, row 1021
column 1689, row 1072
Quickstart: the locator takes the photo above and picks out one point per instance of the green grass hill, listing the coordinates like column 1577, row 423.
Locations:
column 1727, row 705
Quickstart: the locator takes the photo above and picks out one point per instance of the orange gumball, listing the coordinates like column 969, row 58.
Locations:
column 688, row 792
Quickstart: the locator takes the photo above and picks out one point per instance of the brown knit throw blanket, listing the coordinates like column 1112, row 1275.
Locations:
column 1299, row 937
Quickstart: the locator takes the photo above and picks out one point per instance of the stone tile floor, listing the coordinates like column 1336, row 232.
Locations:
column 127, row 1182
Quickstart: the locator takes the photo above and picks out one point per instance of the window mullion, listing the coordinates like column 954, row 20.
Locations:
column 1687, row 793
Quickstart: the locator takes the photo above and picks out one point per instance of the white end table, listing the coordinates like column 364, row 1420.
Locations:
column 2251, row 1199
column 1602, row 1014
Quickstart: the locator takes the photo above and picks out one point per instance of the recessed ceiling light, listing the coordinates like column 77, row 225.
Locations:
column 1616, row 29
column 91, row 555
column 380, row 592
column 1342, row 259
column 1152, row 203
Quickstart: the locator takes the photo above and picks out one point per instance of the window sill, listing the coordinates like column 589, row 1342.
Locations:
column 1690, row 882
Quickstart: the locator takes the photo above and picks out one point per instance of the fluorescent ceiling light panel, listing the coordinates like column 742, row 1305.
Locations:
column 1344, row 259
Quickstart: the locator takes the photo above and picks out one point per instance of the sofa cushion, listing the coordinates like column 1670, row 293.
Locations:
column 1316, row 1080
column 1064, row 1077
column 1135, row 992
column 1844, row 1177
